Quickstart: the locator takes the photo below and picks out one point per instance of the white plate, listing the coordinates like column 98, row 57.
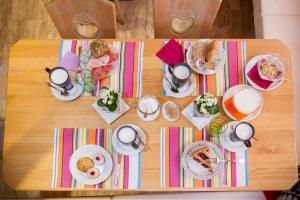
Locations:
column 218, row 65
column 184, row 91
column 124, row 149
column 227, row 143
column 229, row 93
column 199, row 122
column 252, row 64
column 196, row 170
column 74, row 93
column 110, row 117
column 89, row 151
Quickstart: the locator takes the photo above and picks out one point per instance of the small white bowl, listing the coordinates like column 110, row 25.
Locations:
column 275, row 60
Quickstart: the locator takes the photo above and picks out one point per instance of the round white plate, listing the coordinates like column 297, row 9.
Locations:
column 90, row 151
column 127, row 149
column 227, row 143
column 219, row 64
column 229, row 93
column 252, row 64
column 74, row 93
column 184, row 91
column 195, row 169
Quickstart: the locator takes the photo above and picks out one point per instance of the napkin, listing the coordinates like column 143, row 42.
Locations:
column 69, row 61
column 254, row 76
column 171, row 52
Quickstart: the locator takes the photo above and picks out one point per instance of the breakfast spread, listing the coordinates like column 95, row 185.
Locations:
column 102, row 61
column 202, row 157
column 88, row 165
column 205, row 54
column 268, row 69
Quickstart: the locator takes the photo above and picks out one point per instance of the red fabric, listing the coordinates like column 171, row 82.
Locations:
column 271, row 195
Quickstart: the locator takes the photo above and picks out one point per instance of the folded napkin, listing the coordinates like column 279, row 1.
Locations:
column 171, row 53
column 253, row 74
column 69, row 61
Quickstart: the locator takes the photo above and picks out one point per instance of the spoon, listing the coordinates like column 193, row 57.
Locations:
column 60, row 90
column 173, row 89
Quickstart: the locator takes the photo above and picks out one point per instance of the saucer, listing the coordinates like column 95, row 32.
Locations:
column 228, row 94
column 252, row 63
column 199, row 122
column 227, row 143
column 74, row 93
column 124, row 149
column 184, row 91
column 89, row 151
column 110, row 117
column 220, row 63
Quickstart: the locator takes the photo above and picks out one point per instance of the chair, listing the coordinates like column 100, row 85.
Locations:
column 184, row 19
column 83, row 18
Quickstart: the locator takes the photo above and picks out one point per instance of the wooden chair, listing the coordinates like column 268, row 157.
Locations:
column 184, row 18
column 83, row 18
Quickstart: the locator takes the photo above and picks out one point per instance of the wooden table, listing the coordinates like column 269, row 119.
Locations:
column 32, row 113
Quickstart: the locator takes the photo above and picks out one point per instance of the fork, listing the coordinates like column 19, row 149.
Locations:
column 218, row 160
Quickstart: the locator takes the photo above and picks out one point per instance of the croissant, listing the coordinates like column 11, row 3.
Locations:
column 211, row 52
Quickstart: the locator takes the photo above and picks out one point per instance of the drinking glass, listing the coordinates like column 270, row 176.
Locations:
column 148, row 108
column 217, row 126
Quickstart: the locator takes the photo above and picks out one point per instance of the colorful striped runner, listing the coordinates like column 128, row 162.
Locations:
column 173, row 142
column 131, row 67
column 232, row 74
column 67, row 140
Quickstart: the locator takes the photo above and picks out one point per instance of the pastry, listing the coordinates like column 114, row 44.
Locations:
column 203, row 158
column 85, row 163
column 99, row 48
column 198, row 51
column 99, row 159
column 211, row 53
column 93, row 173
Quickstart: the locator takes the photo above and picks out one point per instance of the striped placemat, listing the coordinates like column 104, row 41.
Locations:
column 67, row 140
column 173, row 142
column 232, row 74
column 127, row 80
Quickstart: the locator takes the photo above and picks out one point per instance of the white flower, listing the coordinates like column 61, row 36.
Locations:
column 104, row 101
column 109, row 102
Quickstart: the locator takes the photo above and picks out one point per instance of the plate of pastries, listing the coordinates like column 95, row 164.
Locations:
column 206, row 56
column 90, row 164
column 200, row 160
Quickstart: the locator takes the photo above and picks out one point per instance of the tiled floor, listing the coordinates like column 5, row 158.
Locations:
column 28, row 19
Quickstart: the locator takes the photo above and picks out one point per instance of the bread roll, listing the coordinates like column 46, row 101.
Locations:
column 211, row 52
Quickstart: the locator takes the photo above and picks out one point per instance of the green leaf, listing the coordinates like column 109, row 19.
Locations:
column 100, row 103
column 112, row 107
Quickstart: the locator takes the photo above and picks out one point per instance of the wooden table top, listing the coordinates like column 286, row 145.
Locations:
column 32, row 113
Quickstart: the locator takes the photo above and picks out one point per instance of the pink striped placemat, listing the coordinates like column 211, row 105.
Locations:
column 127, row 80
column 67, row 140
column 232, row 74
column 173, row 142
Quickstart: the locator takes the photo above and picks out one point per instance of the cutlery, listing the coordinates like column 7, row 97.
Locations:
column 118, row 169
column 218, row 160
column 60, row 90
column 173, row 89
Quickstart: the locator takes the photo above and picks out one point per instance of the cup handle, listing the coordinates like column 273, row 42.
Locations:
column 171, row 68
column 248, row 143
column 47, row 69
column 134, row 145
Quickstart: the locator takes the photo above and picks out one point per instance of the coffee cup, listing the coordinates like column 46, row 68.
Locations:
column 128, row 136
column 181, row 74
column 60, row 77
column 243, row 132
